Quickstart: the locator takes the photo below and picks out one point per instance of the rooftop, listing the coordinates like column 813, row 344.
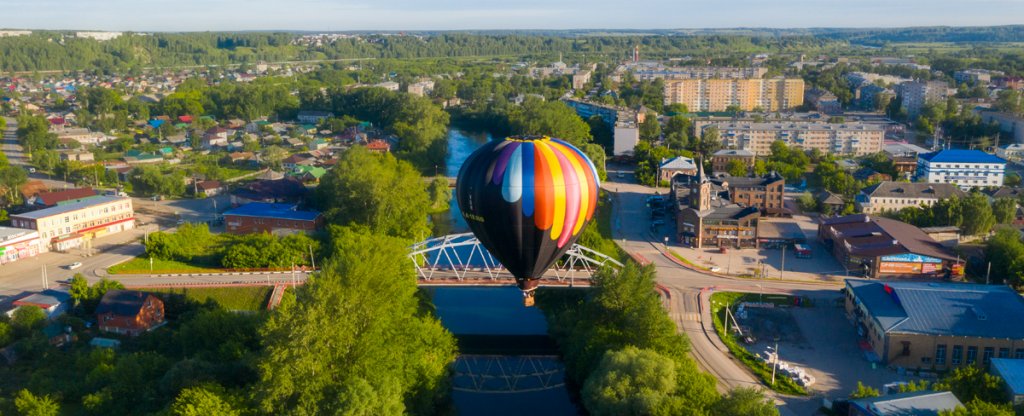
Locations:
column 961, row 156
column 268, row 210
column 8, row 233
column 62, row 209
column 789, row 125
column 1012, row 372
column 679, row 162
column 734, row 152
column 122, row 302
column 44, row 299
column 919, row 403
column 869, row 236
column 952, row 309
column 913, row 190
column 51, row 198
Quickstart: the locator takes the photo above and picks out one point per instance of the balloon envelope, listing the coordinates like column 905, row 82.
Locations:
column 527, row 199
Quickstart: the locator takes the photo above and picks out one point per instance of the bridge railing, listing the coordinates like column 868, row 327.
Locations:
column 461, row 256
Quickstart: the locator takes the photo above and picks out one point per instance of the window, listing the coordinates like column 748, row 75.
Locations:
column 958, row 354
column 1004, row 353
column 972, row 355
column 940, row 354
column 986, row 356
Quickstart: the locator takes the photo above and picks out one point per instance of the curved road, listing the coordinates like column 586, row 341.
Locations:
column 690, row 290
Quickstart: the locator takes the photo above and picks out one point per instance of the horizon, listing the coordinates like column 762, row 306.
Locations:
column 490, row 15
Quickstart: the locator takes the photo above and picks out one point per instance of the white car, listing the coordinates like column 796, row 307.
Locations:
column 715, row 269
column 74, row 265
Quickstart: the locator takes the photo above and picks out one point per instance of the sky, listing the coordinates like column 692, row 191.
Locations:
column 387, row 15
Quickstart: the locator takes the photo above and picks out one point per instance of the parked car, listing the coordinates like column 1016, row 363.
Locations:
column 74, row 265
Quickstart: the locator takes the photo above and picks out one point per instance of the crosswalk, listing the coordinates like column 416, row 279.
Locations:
column 688, row 316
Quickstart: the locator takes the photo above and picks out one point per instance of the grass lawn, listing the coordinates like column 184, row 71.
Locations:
column 762, row 370
column 140, row 265
column 236, row 298
column 604, row 228
column 685, row 260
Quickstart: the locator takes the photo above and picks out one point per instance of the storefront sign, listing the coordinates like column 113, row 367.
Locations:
column 911, row 258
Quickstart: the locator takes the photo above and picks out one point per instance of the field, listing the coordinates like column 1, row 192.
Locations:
column 141, row 265
column 236, row 298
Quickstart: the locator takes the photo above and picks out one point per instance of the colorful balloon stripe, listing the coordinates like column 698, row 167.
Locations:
column 556, row 183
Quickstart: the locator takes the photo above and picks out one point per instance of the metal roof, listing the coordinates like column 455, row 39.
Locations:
column 679, row 162
column 268, row 210
column 961, row 156
column 919, row 403
column 1012, row 372
column 61, row 209
column 955, row 309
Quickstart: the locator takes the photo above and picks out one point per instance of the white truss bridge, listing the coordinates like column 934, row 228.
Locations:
column 461, row 257
column 507, row 374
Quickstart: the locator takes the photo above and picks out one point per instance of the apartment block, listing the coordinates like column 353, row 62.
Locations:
column 717, row 94
column 853, row 138
column 916, row 94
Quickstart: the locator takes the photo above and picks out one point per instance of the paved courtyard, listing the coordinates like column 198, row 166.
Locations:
column 820, row 340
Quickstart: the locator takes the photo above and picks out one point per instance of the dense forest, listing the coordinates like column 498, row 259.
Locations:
column 59, row 51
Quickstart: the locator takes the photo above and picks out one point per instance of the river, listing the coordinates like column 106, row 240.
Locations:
column 509, row 365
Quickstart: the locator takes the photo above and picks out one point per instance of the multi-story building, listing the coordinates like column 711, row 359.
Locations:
column 764, row 193
column 938, row 326
column 720, row 160
column 679, row 165
column 421, row 88
column 704, row 219
column 698, row 72
column 313, row 117
column 918, row 93
column 975, row 76
column 100, row 36
column 853, row 138
column 823, row 101
column 884, row 247
column 904, row 157
column 717, row 94
column 580, row 79
column 19, row 243
column 869, row 96
column 625, row 136
column 1011, row 125
column 624, row 122
column 966, row 168
column 66, row 226
column 894, row 196
column 259, row 217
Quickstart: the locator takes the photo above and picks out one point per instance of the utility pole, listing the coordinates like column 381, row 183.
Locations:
column 782, row 268
column 312, row 261
column 989, row 272
column 775, row 363
column 46, row 280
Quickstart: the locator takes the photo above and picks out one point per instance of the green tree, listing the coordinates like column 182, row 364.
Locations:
column 597, row 156
column 355, row 330
column 440, row 194
column 200, row 401
column 970, row 383
column 863, row 392
column 378, row 191
column 650, row 129
column 28, row 318
column 978, row 218
column 1012, row 179
column 29, row 404
column 677, row 132
column 709, row 143
column 737, row 168
column 549, row 118
column 632, row 382
column 981, row 408
column 744, row 402
column 760, row 168
column 1005, row 210
column 6, row 334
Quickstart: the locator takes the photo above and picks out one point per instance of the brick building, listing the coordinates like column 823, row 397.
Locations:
column 883, row 247
column 936, row 325
column 129, row 312
column 764, row 193
column 720, row 160
column 258, row 217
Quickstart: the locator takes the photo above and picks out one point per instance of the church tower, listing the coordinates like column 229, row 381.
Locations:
column 700, row 192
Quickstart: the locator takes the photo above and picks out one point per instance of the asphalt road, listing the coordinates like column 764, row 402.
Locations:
column 690, row 291
column 16, row 156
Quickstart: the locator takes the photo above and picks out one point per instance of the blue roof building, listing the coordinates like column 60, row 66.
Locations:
column 966, row 168
column 1012, row 373
column 937, row 325
column 273, row 218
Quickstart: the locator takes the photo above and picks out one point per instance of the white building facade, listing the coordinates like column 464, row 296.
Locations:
column 67, row 226
column 965, row 168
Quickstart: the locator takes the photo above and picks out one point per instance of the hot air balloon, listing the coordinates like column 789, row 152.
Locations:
column 527, row 200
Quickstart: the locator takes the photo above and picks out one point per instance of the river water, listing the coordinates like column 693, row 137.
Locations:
column 496, row 382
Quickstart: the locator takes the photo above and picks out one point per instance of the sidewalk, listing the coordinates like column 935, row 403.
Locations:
column 745, row 263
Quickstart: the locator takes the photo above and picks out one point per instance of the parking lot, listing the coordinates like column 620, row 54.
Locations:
column 821, row 341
